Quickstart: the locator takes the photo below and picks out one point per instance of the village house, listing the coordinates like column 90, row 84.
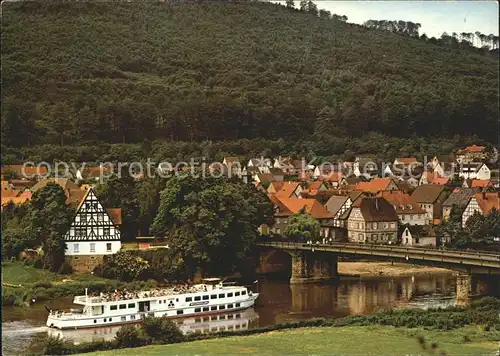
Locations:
column 372, row 220
column 262, row 164
column 478, row 183
column 471, row 154
column 281, row 215
column 333, row 179
column 275, row 187
column 429, row 177
column 483, row 203
column 430, row 198
column 460, row 197
column 263, row 178
column 233, row 165
column 418, row 235
column 377, row 185
column 474, row 171
column 313, row 208
column 290, row 190
column 93, row 233
column 407, row 161
column 408, row 211
column 338, row 206
column 365, row 166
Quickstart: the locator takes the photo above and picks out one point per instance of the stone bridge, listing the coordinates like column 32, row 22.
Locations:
column 479, row 271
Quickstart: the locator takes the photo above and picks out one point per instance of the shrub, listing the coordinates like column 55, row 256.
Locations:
column 66, row 268
column 162, row 330
column 128, row 336
column 43, row 284
column 54, row 345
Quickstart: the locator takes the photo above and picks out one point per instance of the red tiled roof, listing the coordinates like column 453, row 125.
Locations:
column 403, row 202
column 10, row 193
column 311, row 206
column 282, row 210
column 478, row 183
column 374, row 186
column 440, row 180
column 488, row 201
column 376, row 209
column 474, row 149
column 116, row 215
column 287, row 189
column 407, row 160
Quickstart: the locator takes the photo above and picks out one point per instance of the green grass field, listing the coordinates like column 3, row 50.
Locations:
column 366, row 340
column 19, row 273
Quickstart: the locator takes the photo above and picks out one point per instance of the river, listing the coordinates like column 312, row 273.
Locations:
column 279, row 302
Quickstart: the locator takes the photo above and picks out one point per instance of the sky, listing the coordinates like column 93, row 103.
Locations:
column 435, row 17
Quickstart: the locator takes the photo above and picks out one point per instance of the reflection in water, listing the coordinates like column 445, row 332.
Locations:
column 240, row 320
column 279, row 302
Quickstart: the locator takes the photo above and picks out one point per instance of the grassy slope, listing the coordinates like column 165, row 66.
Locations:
column 370, row 340
column 253, row 56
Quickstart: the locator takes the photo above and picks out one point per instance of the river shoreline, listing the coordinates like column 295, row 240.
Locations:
column 386, row 269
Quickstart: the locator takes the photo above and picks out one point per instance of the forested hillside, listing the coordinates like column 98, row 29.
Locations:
column 76, row 72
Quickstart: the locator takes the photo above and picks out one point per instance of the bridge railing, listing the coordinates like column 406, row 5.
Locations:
column 394, row 248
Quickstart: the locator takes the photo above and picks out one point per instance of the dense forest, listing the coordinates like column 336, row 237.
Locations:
column 90, row 73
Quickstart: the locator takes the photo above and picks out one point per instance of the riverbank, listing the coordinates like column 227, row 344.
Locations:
column 378, row 269
column 378, row 340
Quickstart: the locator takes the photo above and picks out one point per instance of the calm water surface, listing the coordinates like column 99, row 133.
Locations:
column 279, row 302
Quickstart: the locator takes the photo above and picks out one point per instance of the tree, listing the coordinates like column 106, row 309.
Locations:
column 120, row 191
column 124, row 266
column 211, row 223
column 302, row 227
column 49, row 219
column 290, row 4
column 303, row 5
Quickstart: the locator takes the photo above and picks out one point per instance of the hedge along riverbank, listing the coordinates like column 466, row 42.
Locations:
column 484, row 312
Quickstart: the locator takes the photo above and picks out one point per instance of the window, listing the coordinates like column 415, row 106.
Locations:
column 237, row 294
column 213, row 308
column 95, row 321
column 83, row 218
column 124, row 318
column 76, row 248
column 221, row 295
column 238, row 316
column 113, row 307
column 80, row 232
column 108, row 247
column 229, row 295
column 131, row 305
column 87, row 206
column 106, row 231
column 92, row 247
column 243, row 292
column 205, row 309
column 197, row 298
column 110, row 319
column 238, row 305
column 205, row 297
column 159, row 302
column 222, row 307
column 123, row 306
column 180, row 312
column 222, row 317
column 132, row 317
column 229, row 306
column 213, row 296
column 105, row 319
column 230, row 316
column 197, row 310
column 188, row 299
column 213, row 318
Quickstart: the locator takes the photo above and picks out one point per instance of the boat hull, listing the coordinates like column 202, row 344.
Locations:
column 89, row 321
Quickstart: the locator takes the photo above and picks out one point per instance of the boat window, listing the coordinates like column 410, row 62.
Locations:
column 244, row 292
column 197, row 310
column 180, row 311
column 123, row 306
column 237, row 294
column 105, row 319
column 131, row 305
column 197, row 298
column 229, row 305
column 214, row 317
column 229, row 295
column 230, row 327
column 213, row 308
column 124, row 318
column 113, row 307
column 221, row 295
column 176, row 299
column 110, row 319
column 238, row 305
column 222, row 317
column 222, row 307
column 159, row 302
column 95, row 321
column 205, row 297
column 205, row 309
column 237, row 326
column 188, row 299
column 238, row 316
column 230, row 316
column 132, row 317
column 213, row 296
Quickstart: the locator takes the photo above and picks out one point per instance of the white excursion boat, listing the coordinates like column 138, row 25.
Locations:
column 211, row 297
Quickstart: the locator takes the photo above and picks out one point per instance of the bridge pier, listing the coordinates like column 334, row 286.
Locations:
column 464, row 288
column 310, row 267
